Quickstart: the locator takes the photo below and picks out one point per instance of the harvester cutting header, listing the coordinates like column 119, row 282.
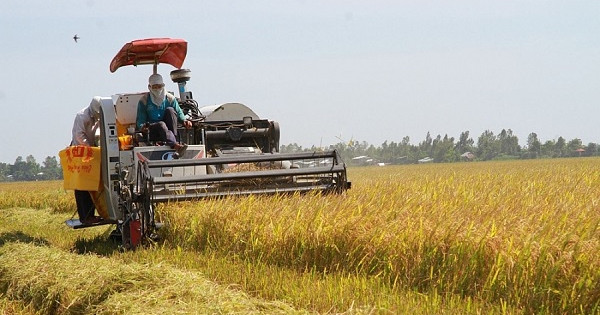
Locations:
column 228, row 150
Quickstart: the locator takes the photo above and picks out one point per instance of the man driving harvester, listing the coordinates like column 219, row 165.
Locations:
column 158, row 113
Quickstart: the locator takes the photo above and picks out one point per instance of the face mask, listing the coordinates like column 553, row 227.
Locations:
column 156, row 92
column 157, row 96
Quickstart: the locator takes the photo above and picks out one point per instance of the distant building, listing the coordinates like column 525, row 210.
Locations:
column 425, row 160
column 468, row 156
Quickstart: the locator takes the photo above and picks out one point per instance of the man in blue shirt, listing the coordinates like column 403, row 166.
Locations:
column 158, row 113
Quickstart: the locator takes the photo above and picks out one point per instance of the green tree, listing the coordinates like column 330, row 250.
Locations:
column 548, row 149
column 591, row 149
column 389, row 152
column 573, row 146
column 5, row 172
column 404, row 150
column 426, row 145
column 464, row 144
column 534, row 145
column 372, row 151
column 560, row 148
column 51, row 168
column 509, row 143
column 25, row 170
column 487, row 146
column 444, row 150
column 292, row 147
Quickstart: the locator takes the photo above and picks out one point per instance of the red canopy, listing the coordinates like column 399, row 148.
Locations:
column 151, row 51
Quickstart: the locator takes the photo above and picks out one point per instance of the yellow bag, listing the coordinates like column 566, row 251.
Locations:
column 81, row 167
column 125, row 142
column 99, row 198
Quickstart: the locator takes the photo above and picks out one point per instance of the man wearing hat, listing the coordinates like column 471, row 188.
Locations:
column 84, row 133
column 158, row 113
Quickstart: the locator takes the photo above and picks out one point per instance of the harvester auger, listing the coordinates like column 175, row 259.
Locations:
column 231, row 151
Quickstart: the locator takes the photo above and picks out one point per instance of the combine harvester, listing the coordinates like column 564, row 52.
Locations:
column 231, row 151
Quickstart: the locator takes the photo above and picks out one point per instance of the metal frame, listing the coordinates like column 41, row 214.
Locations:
column 328, row 178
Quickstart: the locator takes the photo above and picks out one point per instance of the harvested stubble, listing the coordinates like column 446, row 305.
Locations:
column 57, row 282
column 12, row 307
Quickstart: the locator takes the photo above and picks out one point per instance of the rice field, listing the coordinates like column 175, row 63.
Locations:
column 511, row 237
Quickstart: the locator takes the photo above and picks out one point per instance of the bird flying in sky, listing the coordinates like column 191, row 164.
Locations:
column 75, row 38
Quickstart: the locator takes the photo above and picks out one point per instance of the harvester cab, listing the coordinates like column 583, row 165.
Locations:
column 231, row 151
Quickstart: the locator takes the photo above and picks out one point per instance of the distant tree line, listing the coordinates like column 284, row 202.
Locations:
column 30, row 170
column 489, row 146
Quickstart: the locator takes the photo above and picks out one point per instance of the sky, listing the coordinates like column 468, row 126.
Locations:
column 326, row 70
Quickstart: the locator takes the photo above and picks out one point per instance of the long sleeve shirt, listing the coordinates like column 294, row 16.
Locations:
column 84, row 128
column 150, row 112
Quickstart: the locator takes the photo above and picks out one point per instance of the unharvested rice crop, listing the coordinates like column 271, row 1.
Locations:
column 37, row 195
column 524, row 233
